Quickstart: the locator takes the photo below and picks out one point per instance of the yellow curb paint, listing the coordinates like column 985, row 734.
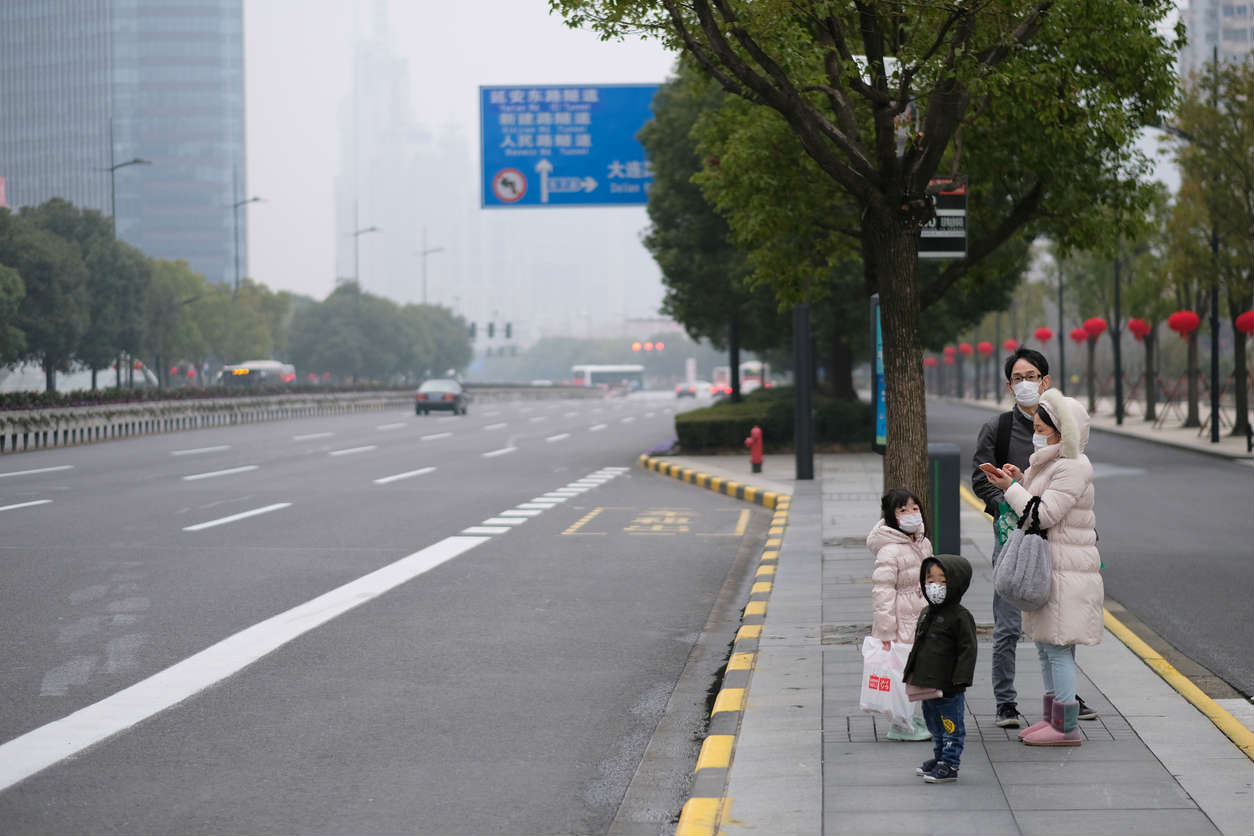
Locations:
column 774, row 543
column 770, row 554
column 740, row 662
column 716, row 484
column 971, row 499
column 700, row 816
column 755, row 608
column 769, row 498
column 775, row 531
column 751, row 493
column 749, row 631
column 729, row 699
column 765, row 570
column 716, row 752
column 760, row 587
column 1229, row 725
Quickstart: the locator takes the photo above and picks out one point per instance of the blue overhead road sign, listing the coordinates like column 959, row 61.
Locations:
column 564, row 145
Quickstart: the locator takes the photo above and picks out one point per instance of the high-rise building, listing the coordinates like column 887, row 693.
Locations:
column 86, row 85
column 1224, row 24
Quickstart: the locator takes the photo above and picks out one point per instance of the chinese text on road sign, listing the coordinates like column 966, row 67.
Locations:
column 566, row 145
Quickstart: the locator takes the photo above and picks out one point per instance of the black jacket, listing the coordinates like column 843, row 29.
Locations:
column 1018, row 452
column 943, row 654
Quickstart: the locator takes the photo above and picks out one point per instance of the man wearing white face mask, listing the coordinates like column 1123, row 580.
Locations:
column 1007, row 439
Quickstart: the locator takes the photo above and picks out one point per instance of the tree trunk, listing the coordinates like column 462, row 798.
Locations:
column 93, row 378
column 1151, row 379
column 1194, row 419
column 896, row 247
column 841, row 368
column 1240, row 390
column 117, row 371
column 1092, row 375
column 733, row 359
column 50, row 375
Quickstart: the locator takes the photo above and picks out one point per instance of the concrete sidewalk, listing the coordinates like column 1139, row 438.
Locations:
column 808, row 761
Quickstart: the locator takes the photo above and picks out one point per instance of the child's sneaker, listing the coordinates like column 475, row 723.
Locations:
column 942, row 773
column 925, row 767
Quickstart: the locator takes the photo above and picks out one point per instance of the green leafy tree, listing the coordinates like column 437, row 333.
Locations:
column 171, row 330
column 1217, row 166
column 12, row 340
column 53, row 315
column 1052, row 93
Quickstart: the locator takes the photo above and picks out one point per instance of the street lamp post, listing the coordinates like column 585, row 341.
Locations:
column 356, row 235
column 424, row 252
column 235, row 207
column 113, row 225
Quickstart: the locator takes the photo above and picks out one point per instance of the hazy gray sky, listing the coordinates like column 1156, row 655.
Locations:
column 298, row 61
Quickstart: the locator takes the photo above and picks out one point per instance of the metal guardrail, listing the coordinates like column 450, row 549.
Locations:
column 37, row 429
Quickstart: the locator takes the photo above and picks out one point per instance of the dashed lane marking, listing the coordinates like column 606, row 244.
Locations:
column 351, row 450
column 407, row 475
column 558, row 437
column 311, row 436
column 503, row 451
column 196, row 451
column 434, row 436
column 36, row 470
column 396, row 426
column 596, row 428
column 25, row 504
column 213, row 474
column 278, row 506
column 496, row 426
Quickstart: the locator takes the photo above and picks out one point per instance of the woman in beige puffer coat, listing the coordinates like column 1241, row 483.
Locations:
column 900, row 545
column 1061, row 476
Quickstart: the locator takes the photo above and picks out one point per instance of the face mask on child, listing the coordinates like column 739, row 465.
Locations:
column 935, row 593
column 911, row 523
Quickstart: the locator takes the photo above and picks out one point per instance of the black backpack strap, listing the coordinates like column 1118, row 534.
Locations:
column 1001, row 449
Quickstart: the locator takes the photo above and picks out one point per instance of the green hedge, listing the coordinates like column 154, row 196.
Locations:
column 725, row 425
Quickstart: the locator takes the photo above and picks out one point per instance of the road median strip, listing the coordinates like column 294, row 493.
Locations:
column 708, row 805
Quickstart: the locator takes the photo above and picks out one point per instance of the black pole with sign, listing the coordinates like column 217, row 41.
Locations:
column 880, row 440
column 803, row 376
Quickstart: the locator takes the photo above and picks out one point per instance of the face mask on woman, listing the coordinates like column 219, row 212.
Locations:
column 1028, row 392
column 1039, row 441
column 911, row 523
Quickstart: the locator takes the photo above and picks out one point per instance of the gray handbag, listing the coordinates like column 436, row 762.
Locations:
column 1023, row 574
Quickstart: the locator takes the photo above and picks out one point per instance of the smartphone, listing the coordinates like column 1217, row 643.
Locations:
column 992, row 470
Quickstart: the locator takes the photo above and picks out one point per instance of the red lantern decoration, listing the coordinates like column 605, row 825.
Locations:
column 950, row 351
column 1079, row 334
column 1010, row 345
column 949, row 359
column 1095, row 326
column 1043, row 335
column 1183, row 322
column 985, row 348
column 966, row 349
column 930, row 362
column 1139, row 328
column 1245, row 322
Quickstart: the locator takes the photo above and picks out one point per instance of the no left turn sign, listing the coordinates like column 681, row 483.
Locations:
column 509, row 185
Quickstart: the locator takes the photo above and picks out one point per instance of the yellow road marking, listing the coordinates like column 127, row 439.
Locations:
column 740, row 662
column 765, row 570
column 755, row 608
column 774, row 543
column 743, row 523
column 760, row 587
column 749, row 631
column 770, row 554
column 584, row 520
column 716, row 751
column 776, row 531
column 729, row 699
column 701, row 816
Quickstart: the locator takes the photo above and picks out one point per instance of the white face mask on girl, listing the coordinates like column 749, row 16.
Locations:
column 935, row 593
column 911, row 523
column 1039, row 441
column 1028, row 392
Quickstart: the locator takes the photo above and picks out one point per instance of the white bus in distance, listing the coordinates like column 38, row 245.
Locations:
column 627, row 378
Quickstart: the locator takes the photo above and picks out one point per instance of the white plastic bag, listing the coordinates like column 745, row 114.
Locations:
column 882, row 690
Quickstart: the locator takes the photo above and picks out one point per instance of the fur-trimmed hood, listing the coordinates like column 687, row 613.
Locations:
column 1071, row 419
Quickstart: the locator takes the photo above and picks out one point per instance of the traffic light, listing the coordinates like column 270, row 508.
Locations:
column 491, row 330
column 509, row 330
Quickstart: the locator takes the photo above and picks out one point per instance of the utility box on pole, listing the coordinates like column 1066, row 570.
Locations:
column 944, row 472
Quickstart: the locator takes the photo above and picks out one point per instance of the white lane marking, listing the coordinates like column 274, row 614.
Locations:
column 215, row 473
column 569, row 414
column 544, row 506
column 396, row 426
column 486, row 529
column 278, row 506
column 311, row 436
column 549, row 498
column 568, row 492
column 596, row 428
column 434, row 436
column 558, row 437
column 615, row 469
column 409, row 475
column 24, row 504
column 648, row 415
column 505, row 521
column 349, row 451
column 537, row 419
column 628, row 419
column 39, row 749
column 198, row 450
column 513, row 512
column 500, row 452
column 492, row 414
column 496, row 426
column 36, row 470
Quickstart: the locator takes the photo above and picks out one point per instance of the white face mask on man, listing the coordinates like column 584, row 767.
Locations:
column 1028, row 392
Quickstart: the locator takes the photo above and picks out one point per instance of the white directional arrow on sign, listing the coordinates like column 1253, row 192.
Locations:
column 545, row 168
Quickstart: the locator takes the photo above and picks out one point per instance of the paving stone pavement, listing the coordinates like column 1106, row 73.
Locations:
column 808, row 761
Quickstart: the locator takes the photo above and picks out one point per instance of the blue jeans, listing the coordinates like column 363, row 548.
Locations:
column 944, row 718
column 1058, row 669
column 1007, row 627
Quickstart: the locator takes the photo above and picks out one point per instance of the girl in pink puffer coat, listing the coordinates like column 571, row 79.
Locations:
column 898, row 541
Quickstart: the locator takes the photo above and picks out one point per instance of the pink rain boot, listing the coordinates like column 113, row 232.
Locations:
column 1047, row 704
column 1062, row 729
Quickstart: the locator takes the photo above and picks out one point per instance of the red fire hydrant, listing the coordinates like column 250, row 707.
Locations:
column 754, row 443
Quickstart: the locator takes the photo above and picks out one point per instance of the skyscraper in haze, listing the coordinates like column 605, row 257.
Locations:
column 88, row 84
column 1226, row 24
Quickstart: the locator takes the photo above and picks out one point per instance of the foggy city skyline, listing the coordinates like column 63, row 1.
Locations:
column 549, row 271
